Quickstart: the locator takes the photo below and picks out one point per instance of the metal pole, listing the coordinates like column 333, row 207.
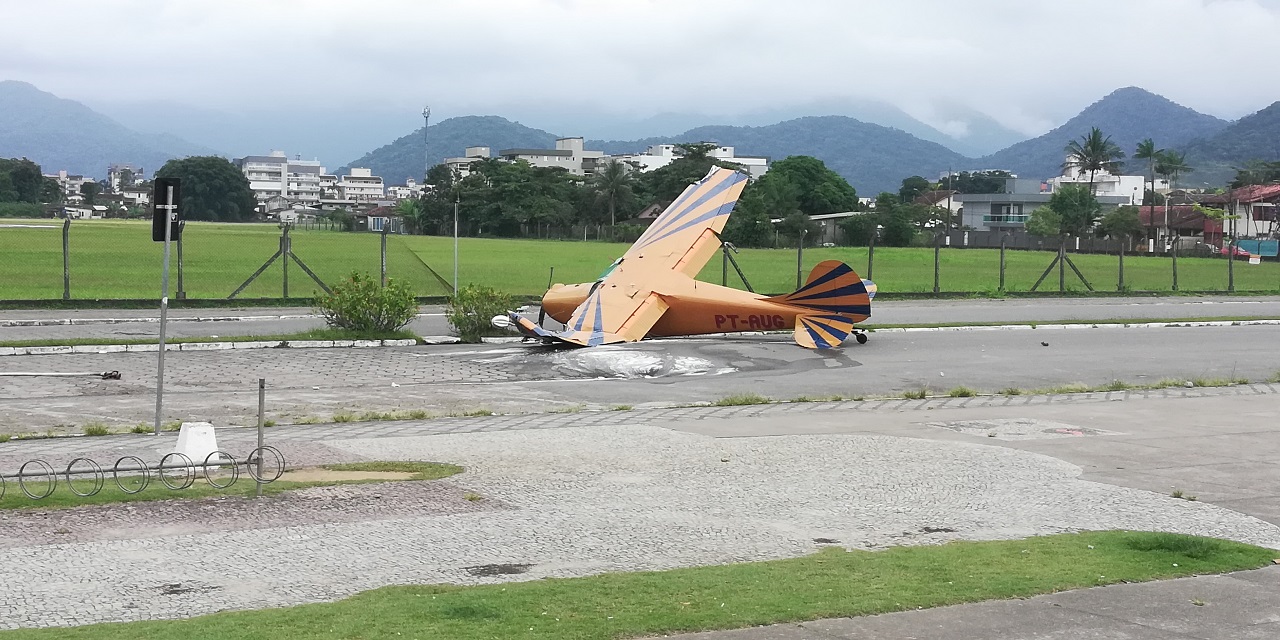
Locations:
column 1174, row 255
column 285, row 250
column 800, row 259
column 937, row 257
column 1120, row 284
column 1231, row 263
column 182, row 292
column 66, row 259
column 456, row 201
column 1062, row 265
column 262, row 395
column 384, row 254
column 1003, row 239
column 169, row 209
column 871, row 253
column 724, row 266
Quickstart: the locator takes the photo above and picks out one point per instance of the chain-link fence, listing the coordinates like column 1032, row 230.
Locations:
column 116, row 259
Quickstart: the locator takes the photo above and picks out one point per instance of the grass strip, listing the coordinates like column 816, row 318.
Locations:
column 64, row 498
column 827, row 584
column 314, row 334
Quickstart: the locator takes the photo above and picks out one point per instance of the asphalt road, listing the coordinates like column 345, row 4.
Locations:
column 431, row 322
column 315, row 384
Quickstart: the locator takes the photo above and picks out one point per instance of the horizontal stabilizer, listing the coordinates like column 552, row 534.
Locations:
column 832, row 287
column 822, row 332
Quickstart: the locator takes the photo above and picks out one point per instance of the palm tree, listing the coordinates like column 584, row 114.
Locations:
column 613, row 182
column 1093, row 153
column 1147, row 151
column 1172, row 164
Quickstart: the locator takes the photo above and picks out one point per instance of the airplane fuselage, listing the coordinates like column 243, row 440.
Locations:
column 695, row 308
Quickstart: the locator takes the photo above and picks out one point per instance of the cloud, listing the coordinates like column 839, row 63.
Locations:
column 1029, row 65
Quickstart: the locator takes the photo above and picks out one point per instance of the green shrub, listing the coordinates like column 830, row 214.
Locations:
column 360, row 304
column 472, row 308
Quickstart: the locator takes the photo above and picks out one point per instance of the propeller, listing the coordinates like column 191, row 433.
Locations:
column 542, row 311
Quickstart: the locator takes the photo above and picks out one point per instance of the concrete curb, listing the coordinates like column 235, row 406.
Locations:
column 218, row 346
column 63, row 322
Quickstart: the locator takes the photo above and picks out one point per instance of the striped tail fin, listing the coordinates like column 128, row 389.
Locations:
column 822, row 331
column 833, row 287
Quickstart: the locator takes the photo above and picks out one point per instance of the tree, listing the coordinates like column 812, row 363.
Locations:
column 798, row 226
column 212, row 189
column 1044, row 222
column 1123, row 222
column 410, row 212
column 1093, row 153
column 1171, row 165
column 1256, row 172
column 1147, row 151
column 817, row 189
column 90, row 191
column 20, row 180
column 695, row 150
column 612, row 184
column 126, row 178
column 912, row 188
column 858, row 229
column 976, row 181
column 1076, row 207
column 749, row 225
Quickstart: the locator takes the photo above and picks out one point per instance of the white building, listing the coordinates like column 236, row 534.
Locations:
column 361, row 185
column 410, row 189
column 136, row 196
column 275, row 174
column 116, row 171
column 1105, row 184
column 661, row 155
column 70, row 184
column 461, row 166
column 569, row 154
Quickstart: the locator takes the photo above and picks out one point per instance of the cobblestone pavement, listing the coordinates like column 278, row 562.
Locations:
column 586, row 493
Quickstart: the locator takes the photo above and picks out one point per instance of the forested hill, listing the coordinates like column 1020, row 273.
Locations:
column 62, row 134
column 871, row 157
column 405, row 157
column 1127, row 115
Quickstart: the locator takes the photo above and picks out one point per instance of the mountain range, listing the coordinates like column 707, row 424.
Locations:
column 64, row 134
column 874, row 157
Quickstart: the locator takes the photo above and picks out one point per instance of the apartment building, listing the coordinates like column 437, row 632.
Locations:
column 361, row 186
column 123, row 175
column 661, row 155
column 296, row 180
column 569, row 154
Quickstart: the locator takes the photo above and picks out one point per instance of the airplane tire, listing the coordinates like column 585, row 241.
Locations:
column 861, row 338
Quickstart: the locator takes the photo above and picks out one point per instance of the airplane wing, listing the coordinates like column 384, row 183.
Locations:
column 684, row 237
column 627, row 301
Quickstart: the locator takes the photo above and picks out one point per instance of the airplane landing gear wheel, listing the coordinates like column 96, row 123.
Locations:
column 861, row 338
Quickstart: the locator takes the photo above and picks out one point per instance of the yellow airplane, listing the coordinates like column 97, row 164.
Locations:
column 651, row 291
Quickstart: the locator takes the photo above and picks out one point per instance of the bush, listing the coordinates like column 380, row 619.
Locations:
column 471, row 309
column 359, row 304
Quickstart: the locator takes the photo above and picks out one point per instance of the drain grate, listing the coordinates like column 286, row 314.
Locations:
column 485, row 570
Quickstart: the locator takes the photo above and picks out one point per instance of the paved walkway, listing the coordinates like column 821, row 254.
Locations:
column 685, row 487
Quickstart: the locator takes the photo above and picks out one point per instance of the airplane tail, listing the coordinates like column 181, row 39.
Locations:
column 833, row 288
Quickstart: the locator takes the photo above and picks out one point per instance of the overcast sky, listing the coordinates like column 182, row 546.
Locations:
column 1030, row 64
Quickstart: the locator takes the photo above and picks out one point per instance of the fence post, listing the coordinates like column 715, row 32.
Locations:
column 1062, row 266
column 1003, row 239
column 285, row 250
column 384, row 254
column 1174, row 254
column 871, row 253
column 937, row 255
column 66, row 259
column 1120, row 284
column 724, row 266
column 800, row 259
column 182, row 292
column 1231, row 265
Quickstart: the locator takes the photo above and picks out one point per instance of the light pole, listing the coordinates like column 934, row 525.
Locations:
column 426, row 154
column 456, row 200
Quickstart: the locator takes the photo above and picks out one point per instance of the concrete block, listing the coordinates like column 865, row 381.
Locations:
column 7, row 351
column 144, row 348
column 44, row 351
column 366, row 343
column 206, row 346
column 196, row 440
column 441, row 339
column 308, row 344
column 399, row 343
column 343, row 343
column 109, row 348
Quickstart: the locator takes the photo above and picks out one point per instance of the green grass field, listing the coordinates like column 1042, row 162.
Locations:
column 117, row 259
column 828, row 584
